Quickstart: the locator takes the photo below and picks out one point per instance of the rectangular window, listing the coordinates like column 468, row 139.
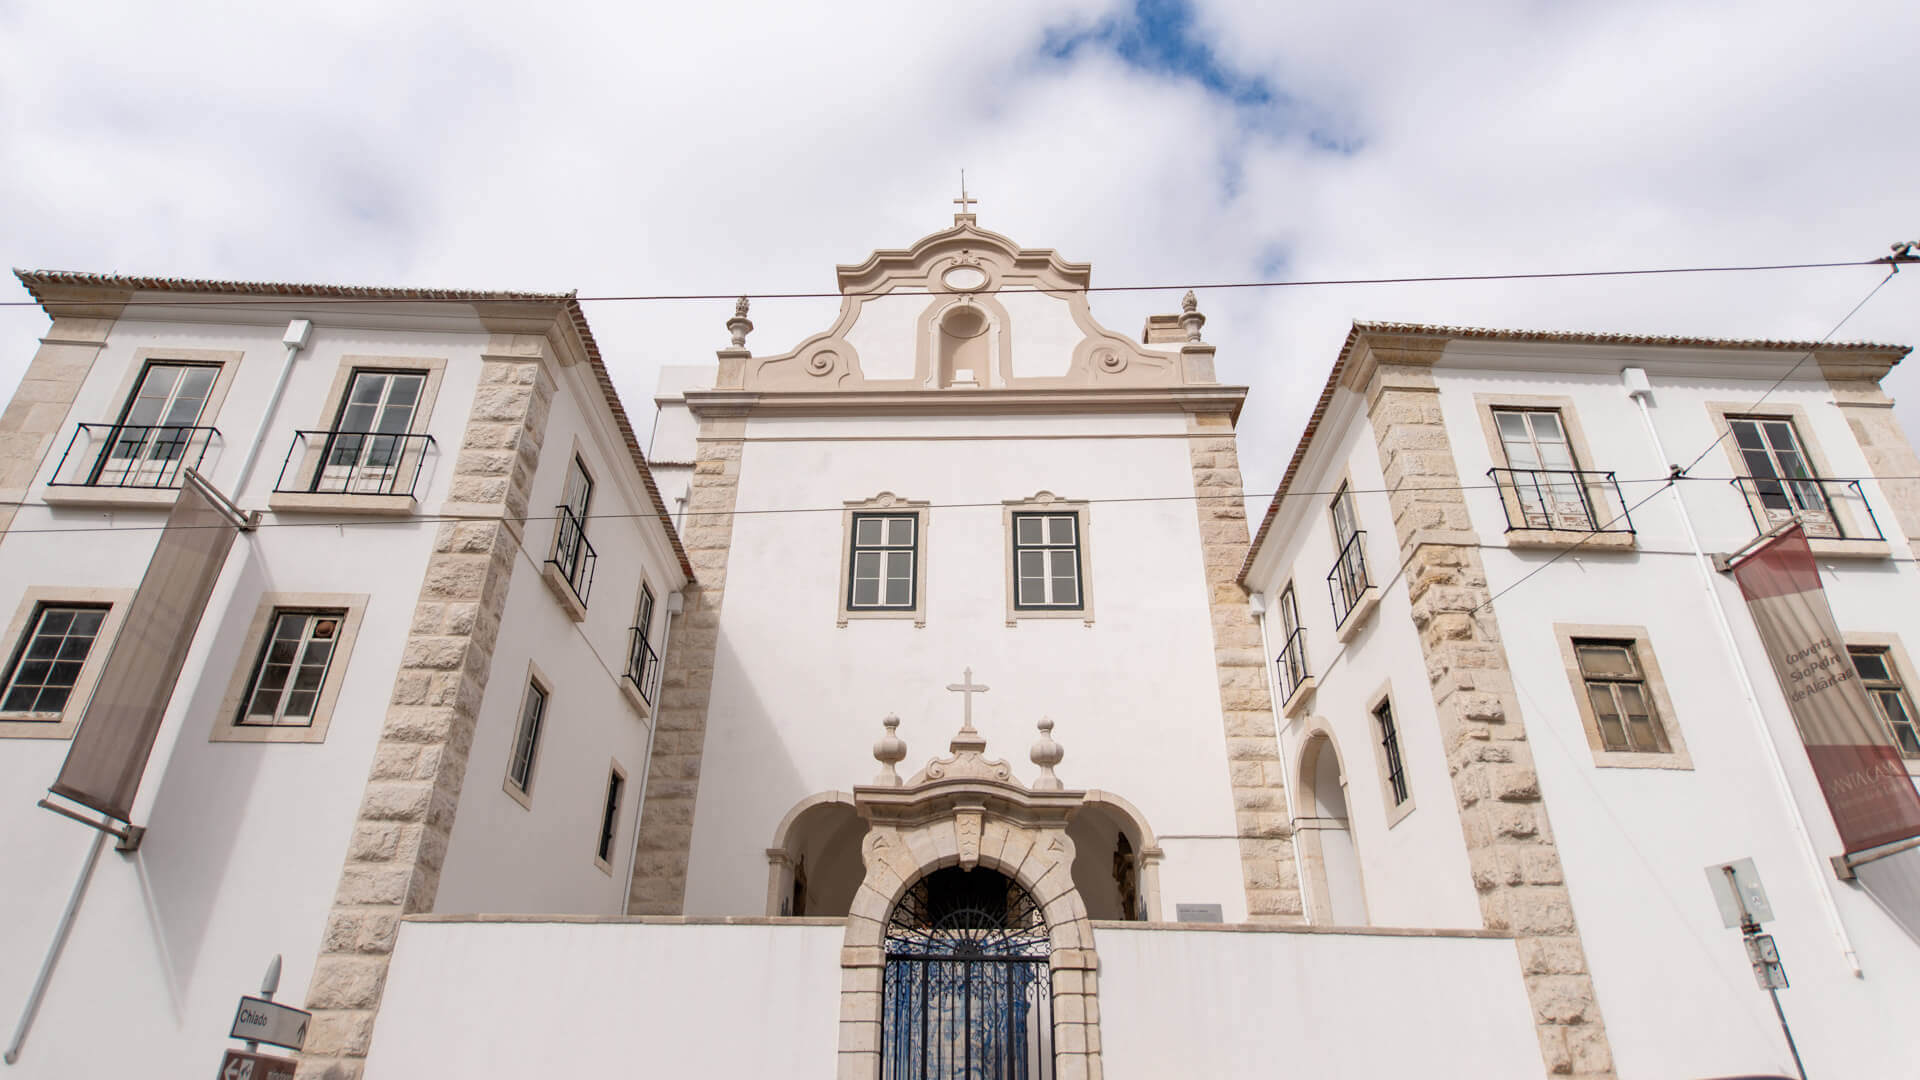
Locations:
column 1046, row 559
column 1341, row 510
column 1771, row 451
column 1543, row 469
column 573, row 556
column 881, row 575
column 610, row 814
column 1882, row 682
column 151, row 433
column 526, row 741
column 579, row 493
column 47, row 663
column 1390, row 752
column 292, row 668
column 369, row 434
column 1616, row 687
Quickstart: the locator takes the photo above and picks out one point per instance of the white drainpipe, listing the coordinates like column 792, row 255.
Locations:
column 295, row 339
column 1641, row 391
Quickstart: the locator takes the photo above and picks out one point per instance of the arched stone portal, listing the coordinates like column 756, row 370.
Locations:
column 968, row 811
column 814, row 865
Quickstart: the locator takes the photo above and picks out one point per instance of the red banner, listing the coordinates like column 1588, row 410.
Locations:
column 1866, row 784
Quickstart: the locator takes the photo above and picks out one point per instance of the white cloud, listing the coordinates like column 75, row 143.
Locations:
column 725, row 148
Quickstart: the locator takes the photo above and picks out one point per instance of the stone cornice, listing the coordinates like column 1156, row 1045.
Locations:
column 1190, row 399
column 874, row 273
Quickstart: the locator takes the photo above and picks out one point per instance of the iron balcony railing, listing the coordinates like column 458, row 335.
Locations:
column 1347, row 582
column 1826, row 509
column 572, row 555
column 1566, row 500
column 643, row 664
column 1292, row 663
column 352, row 463
column 131, row 455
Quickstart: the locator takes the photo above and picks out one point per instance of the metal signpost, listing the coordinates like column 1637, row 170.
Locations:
column 264, row 1020
column 1743, row 903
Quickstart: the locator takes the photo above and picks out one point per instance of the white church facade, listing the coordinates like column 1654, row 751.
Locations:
column 918, row 704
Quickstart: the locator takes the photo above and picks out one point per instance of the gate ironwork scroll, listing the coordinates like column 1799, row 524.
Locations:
column 967, row 994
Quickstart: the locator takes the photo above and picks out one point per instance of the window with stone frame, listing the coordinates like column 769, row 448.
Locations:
column 526, row 741
column 290, row 672
column 610, row 817
column 1880, row 677
column 47, row 663
column 1616, row 688
column 1389, row 735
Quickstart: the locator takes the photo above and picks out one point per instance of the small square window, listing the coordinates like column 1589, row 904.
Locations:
column 1617, row 690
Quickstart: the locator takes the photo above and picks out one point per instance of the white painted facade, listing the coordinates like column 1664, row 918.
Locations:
column 245, row 841
column 1671, row 981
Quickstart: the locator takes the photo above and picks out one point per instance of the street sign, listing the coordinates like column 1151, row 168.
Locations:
column 1765, row 956
column 260, row 1020
column 1751, row 895
column 240, row 1065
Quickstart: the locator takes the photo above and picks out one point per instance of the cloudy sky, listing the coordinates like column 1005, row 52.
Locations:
column 721, row 148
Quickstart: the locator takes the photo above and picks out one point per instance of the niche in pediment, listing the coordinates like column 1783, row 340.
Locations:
column 964, row 345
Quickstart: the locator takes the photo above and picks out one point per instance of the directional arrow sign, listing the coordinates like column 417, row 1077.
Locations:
column 240, row 1066
column 260, row 1020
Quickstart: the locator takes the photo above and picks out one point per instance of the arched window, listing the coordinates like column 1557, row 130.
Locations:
column 966, row 993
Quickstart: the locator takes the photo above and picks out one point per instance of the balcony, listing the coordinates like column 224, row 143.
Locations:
column 1560, row 507
column 1296, row 683
column 352, row 471
column 1353, row 593
column 642, row 677
column 569, row 570
column 122, row 464
column 1835, row 513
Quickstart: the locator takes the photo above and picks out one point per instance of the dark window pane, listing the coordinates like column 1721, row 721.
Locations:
column 53, row 699
column 1871, row 664
column 1027, row 530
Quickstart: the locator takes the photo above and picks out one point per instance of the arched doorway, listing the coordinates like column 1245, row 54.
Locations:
column 1330, row 860
column 814, row 865
column 966, row 990
column 1116, row 860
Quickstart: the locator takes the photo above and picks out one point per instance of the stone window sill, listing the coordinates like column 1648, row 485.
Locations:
column 1537, row 539
column 1301, row 697
column 300, row 501
column 111, row 497
column 1627, row 759
column 1849, row 549
column 634, row 699
column 20, row 725
column 1357, row 618
column 563, row 591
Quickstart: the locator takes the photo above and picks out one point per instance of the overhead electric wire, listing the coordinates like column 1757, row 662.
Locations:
column 532, row 297
column 438, row 519
column 1680, row 473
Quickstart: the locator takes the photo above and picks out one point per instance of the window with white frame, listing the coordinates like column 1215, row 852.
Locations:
column 881, row 574
column 290, row 671
column 526, row 740
column 1542, row 469
column 1780, row 476
column 1046, row 562
column 47, row 663
column 1881, row 679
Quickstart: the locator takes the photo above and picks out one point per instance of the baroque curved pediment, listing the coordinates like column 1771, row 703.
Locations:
column 1031, row 307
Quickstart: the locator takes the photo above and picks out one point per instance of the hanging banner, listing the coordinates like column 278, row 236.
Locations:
column 116, row 733
column 1866, row 785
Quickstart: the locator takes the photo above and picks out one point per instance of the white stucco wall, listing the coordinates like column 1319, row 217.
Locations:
column 1672, row 982
column 1227, row 1003
column 1413, row 871
column 246, row 841
column 797, row 701
column 556, row 999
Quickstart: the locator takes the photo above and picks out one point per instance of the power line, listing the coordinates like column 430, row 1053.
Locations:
column 281, row 301
column 436, row 519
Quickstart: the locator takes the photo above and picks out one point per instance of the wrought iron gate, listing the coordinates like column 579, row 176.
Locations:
column 967, row 994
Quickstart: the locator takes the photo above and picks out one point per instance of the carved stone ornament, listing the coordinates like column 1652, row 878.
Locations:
column 966, row 827
column 1046, row 753
column 822, row 362
column 1190, row 316
column 739, row 326
column 1110, row 361
column 889, row 750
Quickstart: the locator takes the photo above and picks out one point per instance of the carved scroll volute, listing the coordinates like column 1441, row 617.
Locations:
column 967, row 824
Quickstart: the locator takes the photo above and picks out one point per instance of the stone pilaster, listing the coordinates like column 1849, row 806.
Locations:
column 1253, row 752
column 673, row 775
column 1515, row 863
column 32, row 420
column 406, row 815
column 1890, row 457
